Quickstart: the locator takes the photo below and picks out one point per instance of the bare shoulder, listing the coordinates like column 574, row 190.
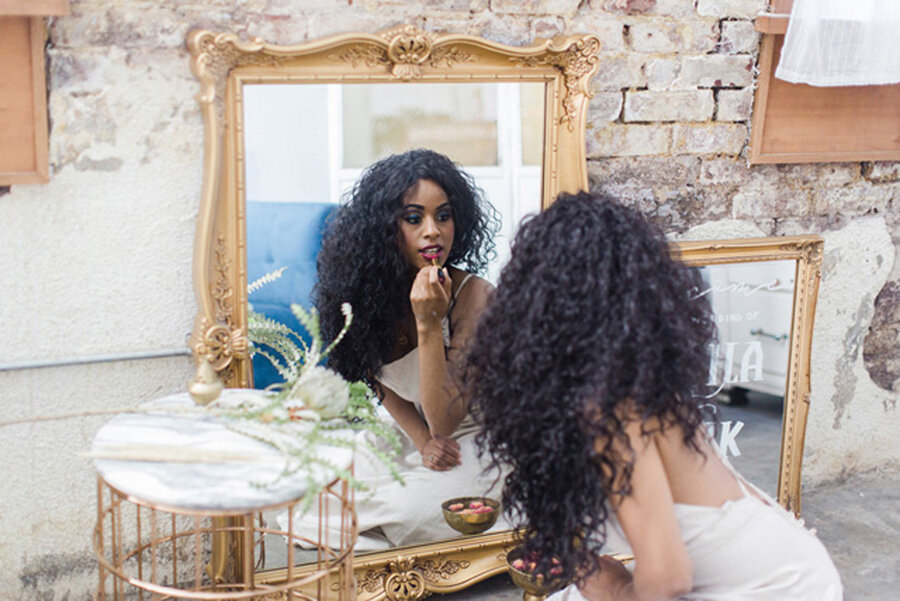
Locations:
column 472, row 298
column 472, row 291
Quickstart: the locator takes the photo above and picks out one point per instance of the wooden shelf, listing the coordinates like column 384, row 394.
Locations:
column 23, row 102
column 33, row 8
column 23, row 90
column 798, row 123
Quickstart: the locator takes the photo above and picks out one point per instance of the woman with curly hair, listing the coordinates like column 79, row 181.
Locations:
column 403, row 251
column 585, row 377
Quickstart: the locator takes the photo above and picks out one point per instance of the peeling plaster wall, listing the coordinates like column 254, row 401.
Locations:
column 854, row 425
column 48, row 503
column 99, row 260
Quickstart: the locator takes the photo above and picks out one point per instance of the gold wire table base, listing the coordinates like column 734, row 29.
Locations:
column 155, row 553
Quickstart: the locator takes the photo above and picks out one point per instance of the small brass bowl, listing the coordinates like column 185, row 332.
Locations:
column 535, row 587
column 471, row 523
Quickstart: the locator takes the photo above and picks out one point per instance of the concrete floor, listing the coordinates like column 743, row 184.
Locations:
column 857, row 519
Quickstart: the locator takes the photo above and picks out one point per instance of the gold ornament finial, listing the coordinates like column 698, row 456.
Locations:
column 206, row 385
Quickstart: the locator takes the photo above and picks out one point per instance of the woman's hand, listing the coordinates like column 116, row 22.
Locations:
column 608, row 583
column 440, row 454
column 430, row 296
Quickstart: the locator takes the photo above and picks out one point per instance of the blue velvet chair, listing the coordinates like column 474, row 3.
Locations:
column 283, row 234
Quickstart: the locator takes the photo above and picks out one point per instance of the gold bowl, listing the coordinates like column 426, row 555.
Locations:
column 535, row 587
column 471, row 523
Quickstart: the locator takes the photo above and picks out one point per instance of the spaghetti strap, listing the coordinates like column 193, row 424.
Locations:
column 741, row 483
column 456, row 293
column 746, row 487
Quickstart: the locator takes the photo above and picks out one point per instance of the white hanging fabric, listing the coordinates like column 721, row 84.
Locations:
column 842, row 43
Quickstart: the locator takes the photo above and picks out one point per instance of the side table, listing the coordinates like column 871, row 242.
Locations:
column 188, row 525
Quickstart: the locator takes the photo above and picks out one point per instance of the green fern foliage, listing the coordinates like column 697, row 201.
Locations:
column 315, row 407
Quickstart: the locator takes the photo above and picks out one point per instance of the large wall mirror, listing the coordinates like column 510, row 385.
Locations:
column 290, row 129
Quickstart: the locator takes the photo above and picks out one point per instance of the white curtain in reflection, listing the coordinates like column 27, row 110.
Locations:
column 842, row 43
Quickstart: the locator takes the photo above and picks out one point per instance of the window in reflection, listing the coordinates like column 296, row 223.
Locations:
column 458, row 120
column 531, row 100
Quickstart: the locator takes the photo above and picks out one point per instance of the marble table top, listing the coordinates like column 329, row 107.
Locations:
column 245, row 480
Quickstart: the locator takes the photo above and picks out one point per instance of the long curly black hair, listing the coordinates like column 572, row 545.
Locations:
column 592, row 323
column 361, row 261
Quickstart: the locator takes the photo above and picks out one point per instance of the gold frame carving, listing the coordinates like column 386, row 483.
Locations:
column 807, row 251
column 412, row 573
column 223, row 63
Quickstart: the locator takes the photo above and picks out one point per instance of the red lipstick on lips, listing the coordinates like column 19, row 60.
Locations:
column 431, row 253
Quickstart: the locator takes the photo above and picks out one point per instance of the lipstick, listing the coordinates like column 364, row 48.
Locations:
column 440, row 269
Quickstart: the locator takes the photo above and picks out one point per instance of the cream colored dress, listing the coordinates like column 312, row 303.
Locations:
column 750, row 549
column 395, row 514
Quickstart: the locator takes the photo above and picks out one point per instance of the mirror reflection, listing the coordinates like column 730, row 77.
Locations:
column 405, row 251
column 752, row 304
column 411, row 249
column 307, row 146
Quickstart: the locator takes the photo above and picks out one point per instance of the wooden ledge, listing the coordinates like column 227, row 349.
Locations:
column 772, row 23
column 33, row 8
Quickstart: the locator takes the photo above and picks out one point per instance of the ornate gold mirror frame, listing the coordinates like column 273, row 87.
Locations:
column 223, row 64
column 807, row 251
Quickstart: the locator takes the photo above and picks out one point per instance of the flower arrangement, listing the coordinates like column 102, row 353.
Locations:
column 313, row 406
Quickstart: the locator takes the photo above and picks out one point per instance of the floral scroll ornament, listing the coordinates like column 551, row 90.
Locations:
column 407, row 50
column 221, row 344
column 577, row 61
column 404, row 579
column 214, row 347
column 215, row 55
column 370, row 581
column 442, row 568
column 404, row 50
column 404, row 582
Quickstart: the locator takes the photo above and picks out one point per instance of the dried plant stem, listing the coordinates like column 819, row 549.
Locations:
column 114, row 411
column 169, row 454
column 59, row 416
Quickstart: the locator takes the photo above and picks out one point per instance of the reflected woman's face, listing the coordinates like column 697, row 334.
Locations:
column 426, row 225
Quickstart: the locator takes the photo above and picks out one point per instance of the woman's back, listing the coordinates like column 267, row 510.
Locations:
column 612, row 343
column 695, row 478
column 741, row 544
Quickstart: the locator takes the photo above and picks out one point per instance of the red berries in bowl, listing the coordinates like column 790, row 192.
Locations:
column 473, row 508
column 523, row 569
column 471, row 515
